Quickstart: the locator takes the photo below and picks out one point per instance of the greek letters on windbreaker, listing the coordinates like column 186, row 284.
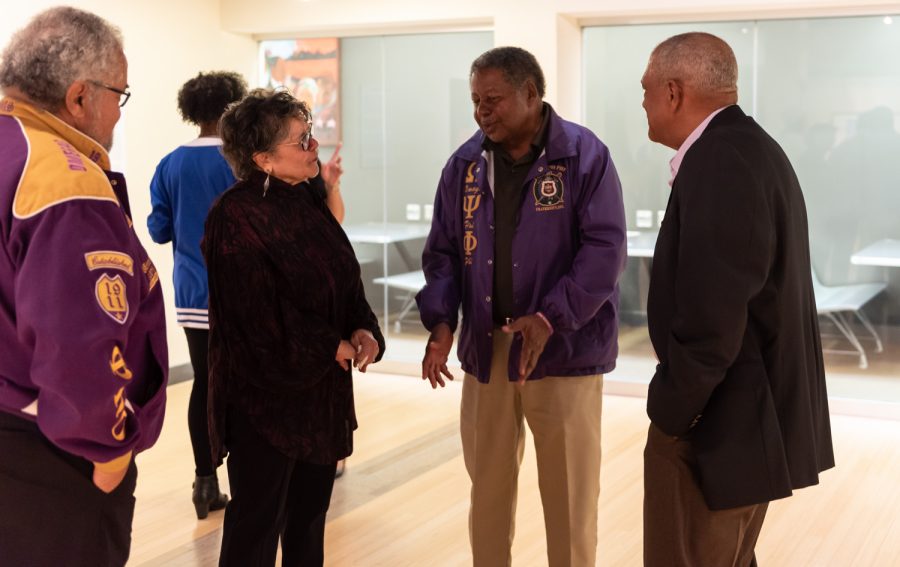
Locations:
column 82, row 327
column 568, row 252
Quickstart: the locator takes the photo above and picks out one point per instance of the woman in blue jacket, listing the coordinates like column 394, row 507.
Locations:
column 185, row 184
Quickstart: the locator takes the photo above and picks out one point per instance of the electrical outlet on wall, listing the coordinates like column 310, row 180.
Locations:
column 413, row 212
column 428, row 211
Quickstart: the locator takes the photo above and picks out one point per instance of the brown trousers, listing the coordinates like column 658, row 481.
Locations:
column 679, row 529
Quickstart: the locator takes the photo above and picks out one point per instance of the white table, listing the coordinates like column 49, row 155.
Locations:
column 885, row 253
column 386, row 234
column 395, row 233
column 641, row 244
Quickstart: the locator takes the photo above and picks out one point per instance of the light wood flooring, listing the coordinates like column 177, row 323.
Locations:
column 404, row 498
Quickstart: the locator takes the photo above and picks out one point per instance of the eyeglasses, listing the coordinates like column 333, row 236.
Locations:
column 304, row 139
column 123, row 95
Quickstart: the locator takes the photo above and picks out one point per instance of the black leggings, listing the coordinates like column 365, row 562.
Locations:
column 198, row 421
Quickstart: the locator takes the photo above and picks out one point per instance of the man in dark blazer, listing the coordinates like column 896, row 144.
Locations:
column 738, row 405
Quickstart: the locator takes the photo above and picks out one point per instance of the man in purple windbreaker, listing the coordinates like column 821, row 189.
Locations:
column 83, row 360
column 528, row 237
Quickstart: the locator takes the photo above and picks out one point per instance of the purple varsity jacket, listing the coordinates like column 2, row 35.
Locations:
column 82, row 326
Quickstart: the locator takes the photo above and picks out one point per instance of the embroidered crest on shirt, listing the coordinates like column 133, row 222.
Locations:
column 471, row 202
column 111, row 297
column 548, row 192
column 99, row 259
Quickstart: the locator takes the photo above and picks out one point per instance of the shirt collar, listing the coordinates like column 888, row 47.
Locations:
column 675, row 162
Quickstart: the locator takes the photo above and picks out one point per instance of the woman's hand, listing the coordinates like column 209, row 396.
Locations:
column 366, row 348
column 345, row 353
column 332, row 170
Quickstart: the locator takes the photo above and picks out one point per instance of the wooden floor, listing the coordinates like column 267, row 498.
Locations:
column 404, row 498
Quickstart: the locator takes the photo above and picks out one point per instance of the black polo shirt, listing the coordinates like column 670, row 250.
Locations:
column 509, row 177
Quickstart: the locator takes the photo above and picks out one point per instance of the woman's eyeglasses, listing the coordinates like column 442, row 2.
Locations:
column 304, row 139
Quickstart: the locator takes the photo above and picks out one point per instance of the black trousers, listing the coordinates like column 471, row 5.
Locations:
column 272, row 496
column 51, row 513
column 198, row 421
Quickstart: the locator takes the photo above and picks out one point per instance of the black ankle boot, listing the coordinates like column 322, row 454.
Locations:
column 207, row 496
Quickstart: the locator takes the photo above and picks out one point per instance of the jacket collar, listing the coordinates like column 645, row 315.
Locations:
column 728, row 116
column 48, row 121
column 560, row 141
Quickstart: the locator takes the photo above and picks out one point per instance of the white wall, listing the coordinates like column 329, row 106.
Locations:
column 166, row 42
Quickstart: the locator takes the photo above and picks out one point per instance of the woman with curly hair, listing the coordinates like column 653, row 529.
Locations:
column 182, row 190
column 288, row 316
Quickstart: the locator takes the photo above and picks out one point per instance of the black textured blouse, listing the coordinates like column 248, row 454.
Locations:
column 285, row 289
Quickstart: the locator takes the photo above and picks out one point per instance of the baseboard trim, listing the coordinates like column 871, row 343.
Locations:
column 180, row 373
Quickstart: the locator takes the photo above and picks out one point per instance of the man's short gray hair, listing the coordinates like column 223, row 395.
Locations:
column 700, row 60
column 516, row 64
column 57, row 47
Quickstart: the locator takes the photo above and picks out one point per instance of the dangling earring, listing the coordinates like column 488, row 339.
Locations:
column 266, row 183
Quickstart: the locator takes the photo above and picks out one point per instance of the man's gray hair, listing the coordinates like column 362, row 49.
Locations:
column 516, row 64
column 700, row 60
column 58, row 47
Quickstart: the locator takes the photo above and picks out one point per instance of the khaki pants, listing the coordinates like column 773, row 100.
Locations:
column 679, row 529
column 563, row 414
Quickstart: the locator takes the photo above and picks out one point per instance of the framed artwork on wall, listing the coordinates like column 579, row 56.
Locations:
column 310, row 69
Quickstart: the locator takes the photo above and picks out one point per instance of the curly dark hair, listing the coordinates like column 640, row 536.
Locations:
column 516, row 64
column 204, row 98
column 256, row 124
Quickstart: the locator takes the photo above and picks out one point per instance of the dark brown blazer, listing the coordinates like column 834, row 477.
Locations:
column 733, row 320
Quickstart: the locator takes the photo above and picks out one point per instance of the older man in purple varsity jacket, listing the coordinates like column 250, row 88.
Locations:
column 528, row 237
column 83, row 360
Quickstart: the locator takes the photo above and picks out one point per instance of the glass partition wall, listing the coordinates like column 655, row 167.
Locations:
column 404, row 107
column 828, row 90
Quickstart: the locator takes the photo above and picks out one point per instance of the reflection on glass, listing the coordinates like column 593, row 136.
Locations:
column 404, row 107
column 829, row 91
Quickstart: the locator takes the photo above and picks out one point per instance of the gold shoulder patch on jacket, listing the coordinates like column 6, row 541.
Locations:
column 56, row 172
column 109, row 259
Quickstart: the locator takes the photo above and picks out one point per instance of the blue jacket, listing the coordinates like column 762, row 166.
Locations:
column 183, row 188
column 568, row 253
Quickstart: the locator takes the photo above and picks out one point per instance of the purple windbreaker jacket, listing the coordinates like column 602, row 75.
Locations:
column 568, row 253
